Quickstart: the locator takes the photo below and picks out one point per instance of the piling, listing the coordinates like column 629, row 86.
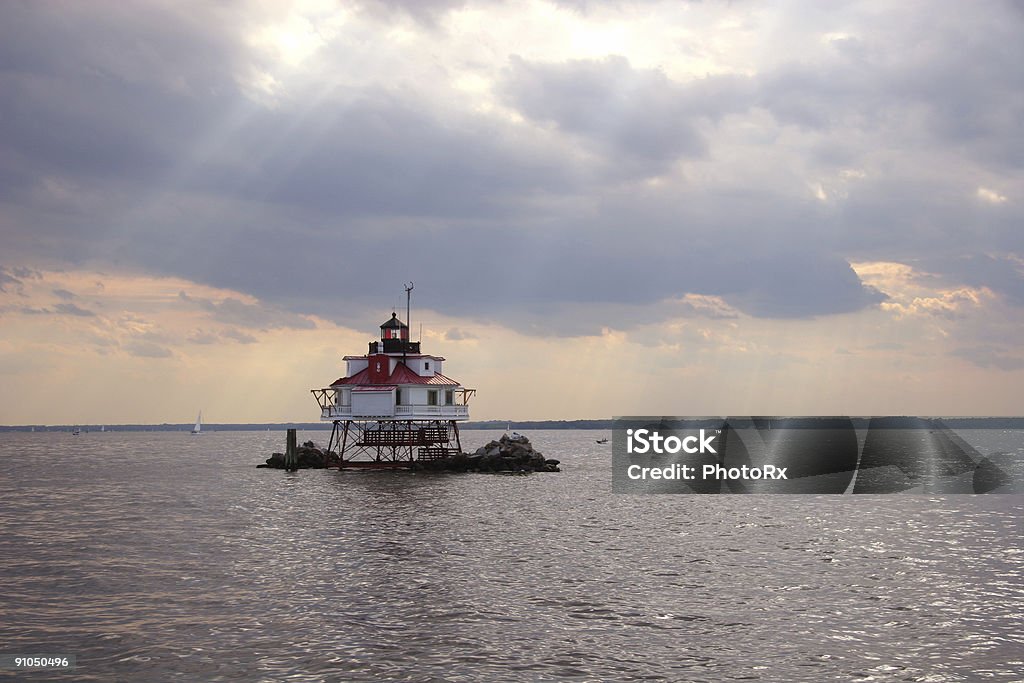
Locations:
column 291, row 455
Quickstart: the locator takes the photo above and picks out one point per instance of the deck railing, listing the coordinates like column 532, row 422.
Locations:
column 335, row 412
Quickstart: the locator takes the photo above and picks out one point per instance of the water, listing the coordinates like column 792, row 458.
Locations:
column 165, row 556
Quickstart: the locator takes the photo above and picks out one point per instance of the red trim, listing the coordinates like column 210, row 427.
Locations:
column 407, row 355
column 379, row 369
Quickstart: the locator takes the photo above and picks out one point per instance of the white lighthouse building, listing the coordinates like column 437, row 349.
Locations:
column 394, row 405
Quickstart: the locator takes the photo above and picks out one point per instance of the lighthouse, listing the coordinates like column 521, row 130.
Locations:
column 394, row 405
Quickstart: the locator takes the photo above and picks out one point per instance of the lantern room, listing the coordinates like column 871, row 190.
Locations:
column 394, row 329
column 394, row 338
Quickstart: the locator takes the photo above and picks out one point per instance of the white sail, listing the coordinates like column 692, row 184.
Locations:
column 199, row 424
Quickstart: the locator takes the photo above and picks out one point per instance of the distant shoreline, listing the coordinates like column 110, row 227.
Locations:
column 603, row 424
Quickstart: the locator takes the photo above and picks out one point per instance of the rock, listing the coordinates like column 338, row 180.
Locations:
column 510, row 453
column 306, row 456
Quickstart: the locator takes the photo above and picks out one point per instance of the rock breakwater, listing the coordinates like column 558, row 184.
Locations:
column 511, row 453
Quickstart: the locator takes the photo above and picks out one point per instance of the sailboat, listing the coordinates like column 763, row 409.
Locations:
column 199, row 424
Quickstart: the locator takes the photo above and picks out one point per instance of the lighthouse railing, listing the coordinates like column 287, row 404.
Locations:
column 429, row 410
column 331, row 411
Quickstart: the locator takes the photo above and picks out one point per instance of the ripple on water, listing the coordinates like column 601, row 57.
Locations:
column 146, row 569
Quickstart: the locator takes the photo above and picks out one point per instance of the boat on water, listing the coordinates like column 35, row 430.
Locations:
column 198, row 429
column 602, row 441
column 76, row 431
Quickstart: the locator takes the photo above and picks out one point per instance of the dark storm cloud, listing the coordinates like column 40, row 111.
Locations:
column 378, row 155
column 632, row 116
column 999, row 274
column 939, row 228
column 138, row 112
column 113, row 92
column 800, row 286
column 324, row 204
column 958, row 86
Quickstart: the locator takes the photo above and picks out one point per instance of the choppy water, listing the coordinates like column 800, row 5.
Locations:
column 163, row 556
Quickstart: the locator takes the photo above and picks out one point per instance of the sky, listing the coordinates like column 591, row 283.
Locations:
column 607, row 208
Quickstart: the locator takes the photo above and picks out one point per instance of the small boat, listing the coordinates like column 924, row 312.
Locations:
column 199, row 424
column 76, row 431
column 602, row 441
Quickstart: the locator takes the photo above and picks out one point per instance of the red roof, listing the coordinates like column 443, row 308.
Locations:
column 401, row 375
column 407, row 355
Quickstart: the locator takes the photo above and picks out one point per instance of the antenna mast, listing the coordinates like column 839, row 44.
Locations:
column 408, row 321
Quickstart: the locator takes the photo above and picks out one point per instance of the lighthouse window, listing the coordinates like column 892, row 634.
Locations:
column 426, row 365
column 449, row 397
column 432, row 397
column 398, row 397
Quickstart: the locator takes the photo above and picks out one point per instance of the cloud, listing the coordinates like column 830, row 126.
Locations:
column 920, row 293
column 146, row 349
column 58, row 309
column 1001, row 273
column 201, row 337
column 232, row 311
column 239, row 336
column 990, row 357
column 426, row 12
column 71, row 309
column 456, row 334
column 562, row 179
column 7, row 280
column 27, row 273
column 948, row 304
column 64, row 294
column 990, row 196
column 630, row 116
column 705, row 307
